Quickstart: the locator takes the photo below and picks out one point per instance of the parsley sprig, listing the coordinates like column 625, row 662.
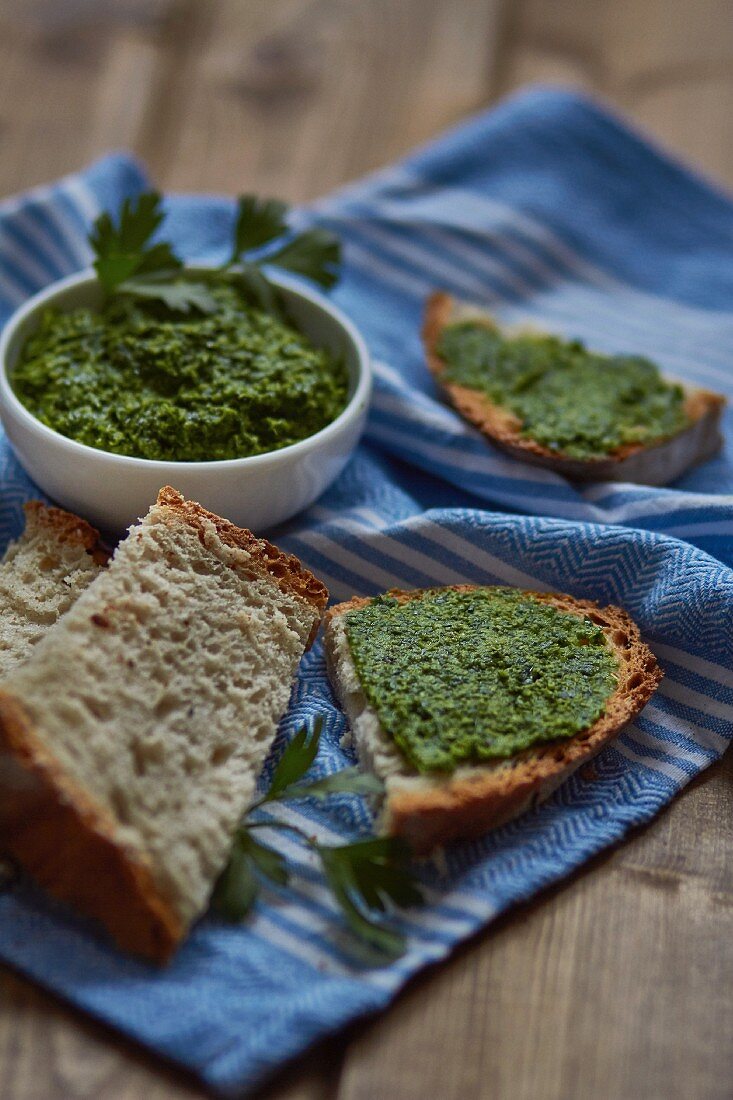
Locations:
column 128, row 261
column 367, row 878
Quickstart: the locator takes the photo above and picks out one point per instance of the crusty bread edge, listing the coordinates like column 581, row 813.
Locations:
column 651, row 465
column 286, row 570
column 68, row 843
column 66, row 527
column 451, row 807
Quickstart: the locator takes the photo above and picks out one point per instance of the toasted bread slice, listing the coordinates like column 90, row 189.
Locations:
column 131, row 740
column 429, row 810
column 41, row 575
column 656, row 464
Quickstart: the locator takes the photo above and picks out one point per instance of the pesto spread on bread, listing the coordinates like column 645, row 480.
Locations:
column 461, row 677
column 572, row 401
column 137, row 378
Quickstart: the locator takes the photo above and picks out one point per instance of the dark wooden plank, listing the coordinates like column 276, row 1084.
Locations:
column 47, row 1050
column 615, row 985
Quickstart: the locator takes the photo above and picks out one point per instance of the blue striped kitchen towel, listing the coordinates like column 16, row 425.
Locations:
column 547, row 209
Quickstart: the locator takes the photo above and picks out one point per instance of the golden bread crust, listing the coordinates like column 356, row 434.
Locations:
column 503, row 428
column 458, row 807
column 68, row 843
column 66, row 527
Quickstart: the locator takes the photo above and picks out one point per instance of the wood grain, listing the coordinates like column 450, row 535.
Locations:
column 46, row 1052
column 616, row 985
column 666, row 63
column 299, row 96
column 71, row 87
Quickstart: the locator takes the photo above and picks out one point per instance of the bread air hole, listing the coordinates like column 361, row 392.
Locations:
column 120, row 806
column 96, row 707
column 203, row 568
column 221, row 754
column 634, row 681
column 166, row 705
column 139, row 763
column 145, row 754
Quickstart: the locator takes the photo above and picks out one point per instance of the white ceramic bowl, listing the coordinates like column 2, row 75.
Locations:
column 112, row 490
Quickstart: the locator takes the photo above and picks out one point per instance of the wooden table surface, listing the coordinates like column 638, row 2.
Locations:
column 617, row 984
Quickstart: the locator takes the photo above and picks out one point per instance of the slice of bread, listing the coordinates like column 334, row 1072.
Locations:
column 131, row 740
column 658, row 464
column 429, row 810
column 41, row 575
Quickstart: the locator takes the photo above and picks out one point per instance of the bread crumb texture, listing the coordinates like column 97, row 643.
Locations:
column 41, row 576
column 134, row 736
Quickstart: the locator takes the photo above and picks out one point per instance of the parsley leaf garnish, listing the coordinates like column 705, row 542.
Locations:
column 127, row 262
column 124, row 250
column 259, row 221
column 238, row 886
column 295, row 760
column 346, row 781
column 258, row 288
column 181, row 295
column 368, row 877
column 314, row 254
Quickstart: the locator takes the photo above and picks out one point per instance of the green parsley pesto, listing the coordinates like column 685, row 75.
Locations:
column 573, row 401
column 463, row 677
column 136, row 379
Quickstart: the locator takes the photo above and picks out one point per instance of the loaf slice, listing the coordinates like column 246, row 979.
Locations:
column 428, row 810
column 656, row 464
column 132, row 739
column 41, row 575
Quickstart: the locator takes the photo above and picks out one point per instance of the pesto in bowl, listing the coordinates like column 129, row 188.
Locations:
column 134, row 378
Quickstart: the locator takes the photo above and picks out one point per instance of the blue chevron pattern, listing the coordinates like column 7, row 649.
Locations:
column 511, row 210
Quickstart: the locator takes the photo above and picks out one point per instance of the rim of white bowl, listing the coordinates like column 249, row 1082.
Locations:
column 351, row 410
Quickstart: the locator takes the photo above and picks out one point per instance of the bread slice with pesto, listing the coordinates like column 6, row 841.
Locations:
column 687, row 440
column 433, row 794
column 42, row 574
column 132, row 738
